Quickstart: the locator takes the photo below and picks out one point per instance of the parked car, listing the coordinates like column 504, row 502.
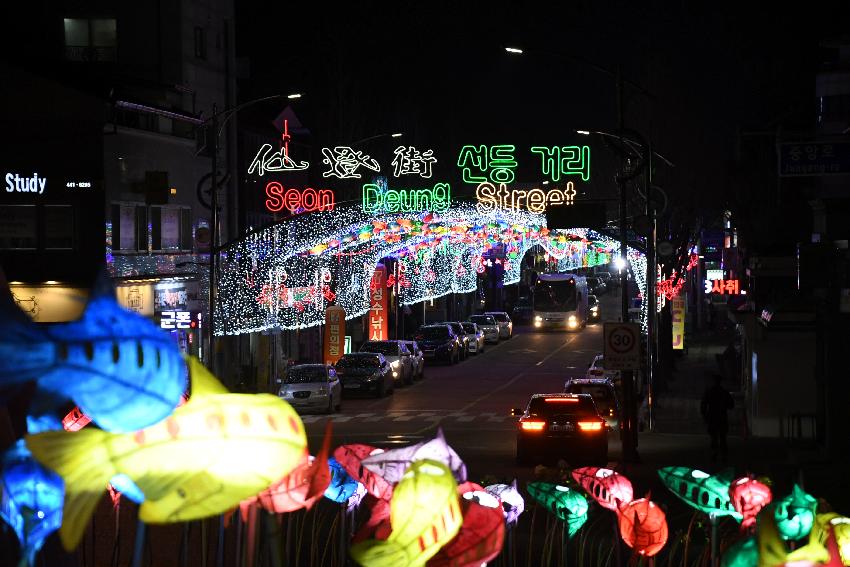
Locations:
column 523, row 310
column 610, row 281
column 365, row 372
column 463, row 340
column 474, row 336
column 488, row 326
column 559, row 426
column 604, row 395
column 506, row 326
column 312, row 387
column 593, row 309
column 397, row 355
column 595, row 285
column 417, row 359
column 438, row 342
column 596, row 369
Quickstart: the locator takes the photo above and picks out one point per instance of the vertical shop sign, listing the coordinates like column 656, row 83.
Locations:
column 678, row 312
column 334, row 334
column 378, row 304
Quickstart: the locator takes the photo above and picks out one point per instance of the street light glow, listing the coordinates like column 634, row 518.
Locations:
column 514, row 50
column 546, row 182
column 397, row 135
column 619, row 263
column 583, row 132
column 294, row 95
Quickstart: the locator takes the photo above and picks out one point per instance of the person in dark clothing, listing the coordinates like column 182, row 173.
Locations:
column 716, row 402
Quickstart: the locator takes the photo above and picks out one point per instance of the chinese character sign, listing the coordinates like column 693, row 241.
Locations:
column 721, row 287
column 343, row 162
column 334, row 334
column 678, row 314
column 409, row 160
column 378, row 305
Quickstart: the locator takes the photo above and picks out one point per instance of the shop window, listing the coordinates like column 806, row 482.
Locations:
column 58, row 227
column 18, row 227
column 90, row 39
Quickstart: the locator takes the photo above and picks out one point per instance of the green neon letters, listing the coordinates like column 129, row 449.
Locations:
column 564, row 160
column 497, row 162
column 376, row 199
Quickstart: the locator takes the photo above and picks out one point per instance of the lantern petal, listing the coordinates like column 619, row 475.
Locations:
column 610, row 489
column 643, row 526
column 482, row 534
column 706, row 493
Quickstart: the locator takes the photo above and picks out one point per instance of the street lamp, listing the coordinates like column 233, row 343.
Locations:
column 514, row 50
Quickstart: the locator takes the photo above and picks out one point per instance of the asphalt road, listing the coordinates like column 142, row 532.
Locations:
column 472, row 400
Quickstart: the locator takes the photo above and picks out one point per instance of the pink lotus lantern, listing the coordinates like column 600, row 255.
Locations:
column 748, row 497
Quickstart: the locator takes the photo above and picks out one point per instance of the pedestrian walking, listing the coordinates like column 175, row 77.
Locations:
column 715, row 405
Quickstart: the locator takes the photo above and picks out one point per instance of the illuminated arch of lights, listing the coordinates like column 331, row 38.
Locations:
column 284, row 276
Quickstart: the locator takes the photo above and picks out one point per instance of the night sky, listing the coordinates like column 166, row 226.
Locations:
column 439, row 73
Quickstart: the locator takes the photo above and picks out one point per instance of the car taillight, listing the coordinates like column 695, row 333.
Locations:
column 532, row 425
column 590, row 425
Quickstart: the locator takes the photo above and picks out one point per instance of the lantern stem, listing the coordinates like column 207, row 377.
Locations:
column 618, row 550
column 714, row 543
column 565, row 542
column 139, row 544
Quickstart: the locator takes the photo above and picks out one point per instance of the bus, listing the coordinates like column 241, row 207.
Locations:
column 560, row 302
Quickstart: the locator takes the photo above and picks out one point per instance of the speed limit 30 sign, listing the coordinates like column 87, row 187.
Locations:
column 622, row 346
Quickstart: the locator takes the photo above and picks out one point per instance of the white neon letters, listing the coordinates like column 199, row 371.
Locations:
column 344, row 161
column 34, row 184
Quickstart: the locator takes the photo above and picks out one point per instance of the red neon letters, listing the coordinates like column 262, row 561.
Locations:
column 298, row 201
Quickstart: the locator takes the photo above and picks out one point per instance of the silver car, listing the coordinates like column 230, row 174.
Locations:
column 475, row 337
column 487, row 324
column 312, row 387
column 397, row 355
column 506, row 326
column 417, row 358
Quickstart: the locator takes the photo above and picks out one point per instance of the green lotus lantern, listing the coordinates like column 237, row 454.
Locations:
column 795, row 514
column 706, row 493
column 565, row 503
column 743, row 553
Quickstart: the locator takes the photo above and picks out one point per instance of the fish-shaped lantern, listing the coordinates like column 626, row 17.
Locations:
column 610, row 489
column 566, row 504
column 513, row 504
column 425, row 515
column 30, row 499
column 351, row 458
column 119, row 368
column 643, row 526
column 482, row 534
column 795, row 514
column 209, row 455
column 392, row 464
column 706, row 493
column 341, row 487
column 748, row 497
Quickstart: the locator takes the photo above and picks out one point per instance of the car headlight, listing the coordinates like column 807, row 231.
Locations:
column 321, row 392
column 284, row 393
column 538, row 318
column 572, row 321
column 394, row 364
column 594, row 309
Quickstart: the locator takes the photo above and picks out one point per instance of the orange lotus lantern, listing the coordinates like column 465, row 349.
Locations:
column 643, row 526
column 611, row 490
column 748, row 497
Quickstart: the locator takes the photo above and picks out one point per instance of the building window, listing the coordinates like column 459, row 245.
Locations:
column 90, row 39
column 58, row 227
column 18, row 227
column 171, row 228
column 200, row 43
column 129, row 228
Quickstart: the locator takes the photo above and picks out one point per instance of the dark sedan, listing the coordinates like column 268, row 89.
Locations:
column 365, row 372
column 561, row 426
column 438, row 342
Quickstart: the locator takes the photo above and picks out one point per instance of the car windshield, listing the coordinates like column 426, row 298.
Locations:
column 306, row 374
column 358, row 362
column 432, row 333
column 591, row 300
column 483, row 320
column 555, row 295
column 547, row 407
column 469, row 328
column 501, row 317
column 383, row 347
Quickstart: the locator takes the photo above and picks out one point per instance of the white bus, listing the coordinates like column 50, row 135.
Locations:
column 560, row 302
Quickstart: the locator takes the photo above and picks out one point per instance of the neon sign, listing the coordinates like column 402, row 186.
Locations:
column 34, row 184
column 535, row 200
column 344, row 162
column 720, row 287
column 175, row 320
column 376, row 199
column 564, row 160
column 267, row 160
column 494, row 163
column 298, row 201
column 409, row 160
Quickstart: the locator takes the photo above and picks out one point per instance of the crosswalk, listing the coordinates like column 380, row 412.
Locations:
column 411, row 416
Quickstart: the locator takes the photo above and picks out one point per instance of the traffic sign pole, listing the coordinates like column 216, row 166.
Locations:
column 621, row 351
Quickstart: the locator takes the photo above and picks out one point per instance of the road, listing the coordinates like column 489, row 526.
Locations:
column 472, row 400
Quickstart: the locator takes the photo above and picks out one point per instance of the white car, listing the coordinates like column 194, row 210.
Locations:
column 506, row 326
column 397, row 355
column 416, row 358
column 487, row 324
column 475, row 336
column 596, row 369
column 312, row 387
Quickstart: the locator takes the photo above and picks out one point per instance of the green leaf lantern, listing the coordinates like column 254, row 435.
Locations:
column 743, row 553
column 565, row 503
column 706, row 493
column 795, row 514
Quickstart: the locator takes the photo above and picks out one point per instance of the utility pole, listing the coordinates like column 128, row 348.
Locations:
column 214, row 243
column 651, row 298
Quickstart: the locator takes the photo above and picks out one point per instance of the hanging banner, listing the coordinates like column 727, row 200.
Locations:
column 678, row 312
column 378, row 305
column 334, row 334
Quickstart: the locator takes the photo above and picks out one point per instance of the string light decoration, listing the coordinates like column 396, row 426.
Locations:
column 286, row 275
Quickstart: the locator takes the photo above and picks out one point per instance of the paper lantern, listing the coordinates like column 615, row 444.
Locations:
column 748, row 497
column 706, row 493
column 795, row 514
column 482, row 534
column 351, row 458
column 565, row 503
column 342, row 486
column 743, row 553
column 118, row 366
column 392, row 464
column 425, row 515
column 643, row 526
column 209, row 455
column 841, row 533
column 773, row 551
column 513, row 503
column 610, row 489
column 31, row 500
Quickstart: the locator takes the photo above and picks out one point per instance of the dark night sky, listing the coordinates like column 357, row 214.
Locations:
column 438, row 72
